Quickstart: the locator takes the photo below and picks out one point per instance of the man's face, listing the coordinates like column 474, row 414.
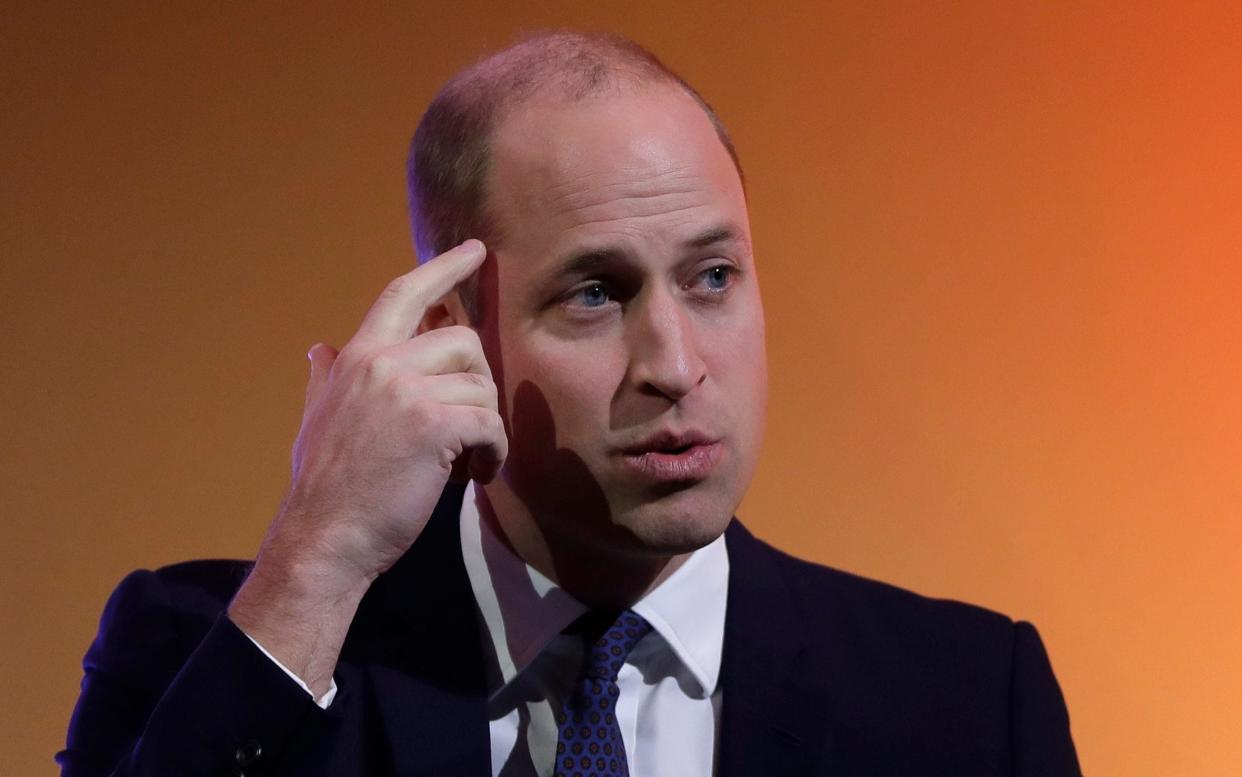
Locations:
column 627, row 332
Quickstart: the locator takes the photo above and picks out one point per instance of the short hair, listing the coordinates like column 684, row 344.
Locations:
column 450, row 155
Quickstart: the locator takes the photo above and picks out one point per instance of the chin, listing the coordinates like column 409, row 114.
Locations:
column 680, row 522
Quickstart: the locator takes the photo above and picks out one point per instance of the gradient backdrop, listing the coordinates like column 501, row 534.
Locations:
column 1000, row 247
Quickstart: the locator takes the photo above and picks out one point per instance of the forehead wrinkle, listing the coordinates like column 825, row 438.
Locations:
column 630, row 223
column 633, row 181
column 604, row 205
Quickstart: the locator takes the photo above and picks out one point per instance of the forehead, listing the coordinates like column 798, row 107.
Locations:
column 561, row 169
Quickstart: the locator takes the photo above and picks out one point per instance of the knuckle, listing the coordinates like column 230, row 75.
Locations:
column 494, row 425
column 399, row 393
column 466, row 336
column 426, row 415
column 348, row 355
column 379, row 365
column 476, row 381
column 396, row 287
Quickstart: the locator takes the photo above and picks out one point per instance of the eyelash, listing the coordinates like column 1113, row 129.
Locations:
column 730, row 276
column 731, row 272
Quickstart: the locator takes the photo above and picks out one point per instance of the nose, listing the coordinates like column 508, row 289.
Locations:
column 664, row 352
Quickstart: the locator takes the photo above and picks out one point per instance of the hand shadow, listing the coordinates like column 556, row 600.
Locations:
column 592, row 557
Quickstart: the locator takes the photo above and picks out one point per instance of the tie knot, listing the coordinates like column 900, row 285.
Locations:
column 615, row 635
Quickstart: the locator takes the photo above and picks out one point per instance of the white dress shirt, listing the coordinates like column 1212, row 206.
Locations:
column 669, row 703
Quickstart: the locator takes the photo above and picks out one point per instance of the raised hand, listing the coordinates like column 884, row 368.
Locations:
column 386, row 420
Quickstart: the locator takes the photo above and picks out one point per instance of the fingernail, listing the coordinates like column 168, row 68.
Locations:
column 473, row 246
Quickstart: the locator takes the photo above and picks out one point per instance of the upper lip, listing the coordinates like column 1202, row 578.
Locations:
column 668, row 440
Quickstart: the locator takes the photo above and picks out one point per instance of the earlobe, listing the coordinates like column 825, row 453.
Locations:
column 437, row 316
column 447, row 312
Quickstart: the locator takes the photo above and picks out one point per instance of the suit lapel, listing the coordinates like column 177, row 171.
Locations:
column 773, row 720
column 425, row 666
column 423, row 659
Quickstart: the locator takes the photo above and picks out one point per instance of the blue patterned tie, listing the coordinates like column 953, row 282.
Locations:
column 589, row 741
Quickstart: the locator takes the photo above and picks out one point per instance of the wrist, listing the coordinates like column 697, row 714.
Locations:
column 323, row 547
column 299, row 609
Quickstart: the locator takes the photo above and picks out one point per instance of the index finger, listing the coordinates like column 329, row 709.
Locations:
column 400, row 307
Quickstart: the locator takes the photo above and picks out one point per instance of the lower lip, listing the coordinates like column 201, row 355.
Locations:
column 694, row 463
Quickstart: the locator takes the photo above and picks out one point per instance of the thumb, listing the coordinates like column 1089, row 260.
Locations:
column 322, row 357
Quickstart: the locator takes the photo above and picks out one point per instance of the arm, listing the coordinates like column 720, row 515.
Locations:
column 387, row 420
column 1040, row 741
column 172, row 688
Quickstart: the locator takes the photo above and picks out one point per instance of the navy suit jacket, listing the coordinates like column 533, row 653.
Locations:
column 823, row 673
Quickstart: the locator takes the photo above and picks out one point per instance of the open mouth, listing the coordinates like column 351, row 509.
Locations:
column 685, row 462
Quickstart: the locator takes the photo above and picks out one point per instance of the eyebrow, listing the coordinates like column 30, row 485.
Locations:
column 587, row 262
column 592, row 261
column 722, row 233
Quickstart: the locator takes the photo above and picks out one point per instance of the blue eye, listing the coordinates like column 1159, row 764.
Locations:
column 717, row 278
column 593, row 296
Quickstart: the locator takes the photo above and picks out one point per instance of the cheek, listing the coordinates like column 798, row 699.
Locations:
column 737, row 358
column 735, row 351
column 575, row 382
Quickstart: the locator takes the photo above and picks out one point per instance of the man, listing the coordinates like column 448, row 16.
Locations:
column 587, row 348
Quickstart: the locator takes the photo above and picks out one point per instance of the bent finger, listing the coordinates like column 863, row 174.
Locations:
column 481, row 435
column 461, row 388
column 396, row 313
column 441, row 352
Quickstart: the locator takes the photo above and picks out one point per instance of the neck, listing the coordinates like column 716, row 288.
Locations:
column 599, row 576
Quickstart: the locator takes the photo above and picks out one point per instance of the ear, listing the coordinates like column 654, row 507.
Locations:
column 447, row 312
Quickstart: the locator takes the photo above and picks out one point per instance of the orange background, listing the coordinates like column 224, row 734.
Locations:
column 1000, row 249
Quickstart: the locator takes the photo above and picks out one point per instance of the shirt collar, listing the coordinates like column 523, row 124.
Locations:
column 523, row 611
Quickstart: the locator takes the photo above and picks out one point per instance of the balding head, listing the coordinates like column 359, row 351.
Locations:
column 450, row 156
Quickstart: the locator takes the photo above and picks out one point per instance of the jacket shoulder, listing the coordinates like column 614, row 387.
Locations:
column 955, row 671
column 164, row 611
column 829, row 590
column 880, row 627
column 889, row 605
